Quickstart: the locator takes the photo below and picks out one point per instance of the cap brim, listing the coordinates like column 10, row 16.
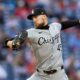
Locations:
column 30, row 16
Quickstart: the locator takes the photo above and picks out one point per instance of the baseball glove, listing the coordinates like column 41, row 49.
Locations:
column 19, row 39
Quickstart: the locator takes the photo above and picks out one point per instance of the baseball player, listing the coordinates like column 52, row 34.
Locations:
column 45, row 40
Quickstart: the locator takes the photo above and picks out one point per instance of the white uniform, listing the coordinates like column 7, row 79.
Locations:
column 47, row 48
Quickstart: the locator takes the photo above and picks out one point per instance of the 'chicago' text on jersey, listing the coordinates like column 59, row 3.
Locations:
column 43, row 40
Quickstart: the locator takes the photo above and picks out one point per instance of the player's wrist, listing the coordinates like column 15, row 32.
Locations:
column 9, row 44
column 79, row 21
column 6, row 43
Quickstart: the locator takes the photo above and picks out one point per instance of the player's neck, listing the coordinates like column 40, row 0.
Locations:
column 44, row 27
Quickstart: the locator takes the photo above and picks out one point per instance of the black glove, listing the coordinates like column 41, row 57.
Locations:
column 19, row 39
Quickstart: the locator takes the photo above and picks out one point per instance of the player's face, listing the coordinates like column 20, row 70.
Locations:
column 40, row 21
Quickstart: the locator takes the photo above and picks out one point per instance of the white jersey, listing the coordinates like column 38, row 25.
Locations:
column 47, row 47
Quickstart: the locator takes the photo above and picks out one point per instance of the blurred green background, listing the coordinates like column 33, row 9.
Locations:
column 19, row 65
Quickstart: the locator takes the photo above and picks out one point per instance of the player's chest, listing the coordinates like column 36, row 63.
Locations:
column 44, row 37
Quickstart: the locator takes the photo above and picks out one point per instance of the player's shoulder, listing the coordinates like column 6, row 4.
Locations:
column 55, row 25
column 31, row 29
column 31, row 32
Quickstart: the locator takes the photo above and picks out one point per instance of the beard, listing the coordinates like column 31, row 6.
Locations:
column 40, row 26
column 43, row 26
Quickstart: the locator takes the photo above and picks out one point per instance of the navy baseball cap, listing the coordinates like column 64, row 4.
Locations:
column 36, row 11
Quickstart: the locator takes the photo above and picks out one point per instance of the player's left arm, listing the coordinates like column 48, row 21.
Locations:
column 17, row 41
column 70, row 23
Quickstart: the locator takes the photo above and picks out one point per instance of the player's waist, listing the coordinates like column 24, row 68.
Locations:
column 53, row 71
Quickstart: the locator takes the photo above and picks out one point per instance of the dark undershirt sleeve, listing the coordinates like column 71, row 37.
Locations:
column 70, row 23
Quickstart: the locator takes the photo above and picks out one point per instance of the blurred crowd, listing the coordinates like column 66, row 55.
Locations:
column 19, row 65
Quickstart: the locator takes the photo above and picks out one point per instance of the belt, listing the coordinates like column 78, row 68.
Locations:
column 51, row 71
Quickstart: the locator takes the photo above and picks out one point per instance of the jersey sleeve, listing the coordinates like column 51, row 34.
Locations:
column 56, row 26
column 30, row 33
